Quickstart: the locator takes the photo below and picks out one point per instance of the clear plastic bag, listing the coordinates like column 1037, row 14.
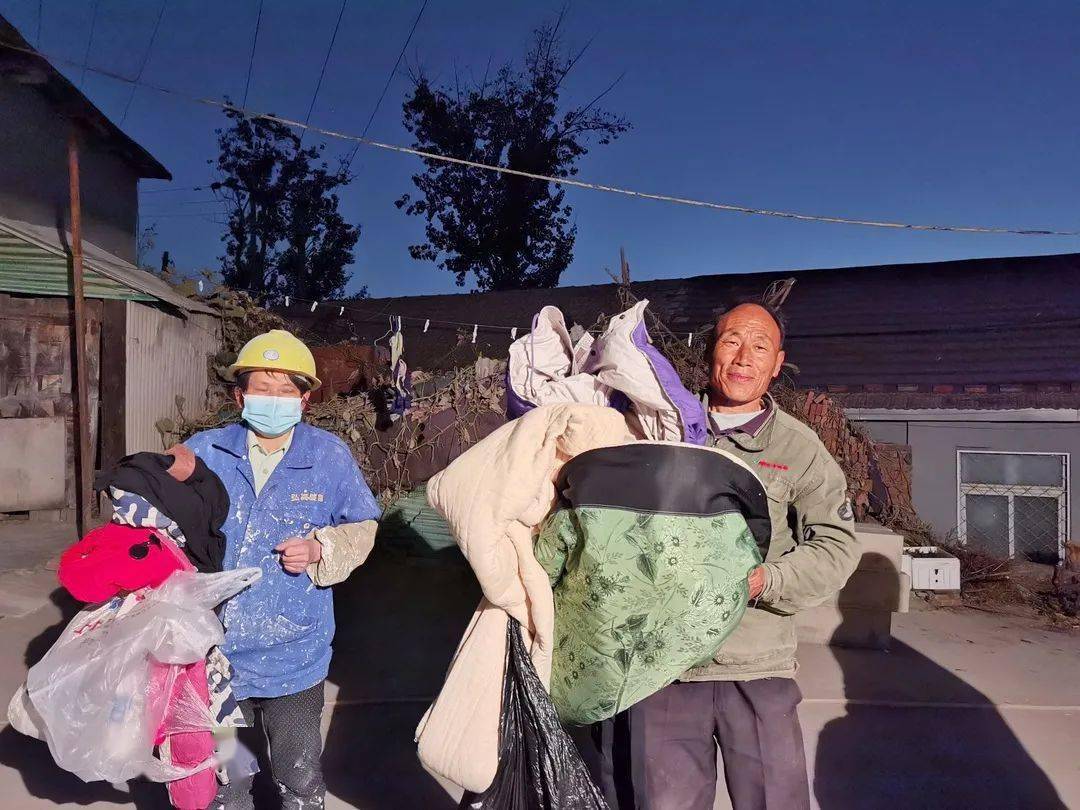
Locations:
column 539, row 765
column 103, row 691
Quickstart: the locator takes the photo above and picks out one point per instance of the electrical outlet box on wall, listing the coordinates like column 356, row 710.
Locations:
column 931, row 569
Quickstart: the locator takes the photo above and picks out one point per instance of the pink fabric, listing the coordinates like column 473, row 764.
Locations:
column 190, row 748
column 178, row 694
column 185, row 685
column 101, row 565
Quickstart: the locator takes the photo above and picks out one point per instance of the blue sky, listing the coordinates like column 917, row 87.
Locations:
column 958, row 113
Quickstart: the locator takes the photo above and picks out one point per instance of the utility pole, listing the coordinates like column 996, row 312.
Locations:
column 85, row 464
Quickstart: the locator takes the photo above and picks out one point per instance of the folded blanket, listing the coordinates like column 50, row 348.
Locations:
column 493, row 497
column 648, row 553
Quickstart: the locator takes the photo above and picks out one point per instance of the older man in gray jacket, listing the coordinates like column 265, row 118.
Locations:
column 745, row 701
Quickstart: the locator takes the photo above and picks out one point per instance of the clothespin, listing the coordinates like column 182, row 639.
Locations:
column 475, row 327
column 341, row 312
column 399, row 323
column 513, row 333
column 427, row 323
column 313, row 305
column 690, row 339
column 286, row 300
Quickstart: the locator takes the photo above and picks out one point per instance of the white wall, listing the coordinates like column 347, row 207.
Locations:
column 165, row 356
column 34, row 174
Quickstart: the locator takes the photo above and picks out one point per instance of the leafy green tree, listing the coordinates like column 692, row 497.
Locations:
column 285, row 234
column 509, row 232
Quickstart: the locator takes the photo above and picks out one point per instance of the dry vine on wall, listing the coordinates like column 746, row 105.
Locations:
column 451, row 412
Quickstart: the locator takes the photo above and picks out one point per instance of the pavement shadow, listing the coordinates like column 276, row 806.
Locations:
column 954, row 751
column 400, row 617
column 44, row 779
column 43, row 641
column 41, row 776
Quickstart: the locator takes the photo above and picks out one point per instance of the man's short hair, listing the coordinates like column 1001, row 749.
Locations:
column 299, row 380
column 774, row 313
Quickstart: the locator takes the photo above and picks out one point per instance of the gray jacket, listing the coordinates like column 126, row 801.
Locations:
column 813, row 549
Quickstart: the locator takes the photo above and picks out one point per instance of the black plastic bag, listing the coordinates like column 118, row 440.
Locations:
column 539, row 765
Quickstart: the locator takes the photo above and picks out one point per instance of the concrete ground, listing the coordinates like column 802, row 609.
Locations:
column 968, row 709
column 28, row 552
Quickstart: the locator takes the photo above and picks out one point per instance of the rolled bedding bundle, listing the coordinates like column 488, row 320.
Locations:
column 648, row 553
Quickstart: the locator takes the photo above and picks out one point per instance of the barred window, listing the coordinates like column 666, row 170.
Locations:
column 1014, row 505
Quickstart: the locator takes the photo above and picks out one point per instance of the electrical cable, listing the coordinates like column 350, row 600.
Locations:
column 146, row 58
column 251, row 59
column 89, row 42
column 326, row 60
column 389, row 79
column 730, row 207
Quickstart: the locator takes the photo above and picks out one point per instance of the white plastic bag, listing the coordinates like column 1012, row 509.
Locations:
column 98, row 703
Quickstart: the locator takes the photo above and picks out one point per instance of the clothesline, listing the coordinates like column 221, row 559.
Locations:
column 397, row 320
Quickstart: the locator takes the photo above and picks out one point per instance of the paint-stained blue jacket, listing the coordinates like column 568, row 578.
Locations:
column 278, row 631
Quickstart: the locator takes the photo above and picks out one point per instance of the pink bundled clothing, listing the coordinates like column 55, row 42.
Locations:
column 96, row 568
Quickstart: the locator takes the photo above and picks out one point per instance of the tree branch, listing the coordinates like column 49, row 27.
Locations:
column 576, row 114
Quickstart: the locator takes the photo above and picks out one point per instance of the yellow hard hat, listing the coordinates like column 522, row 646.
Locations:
column 276, row 350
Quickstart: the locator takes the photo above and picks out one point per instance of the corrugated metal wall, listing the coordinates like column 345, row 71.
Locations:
column 166, row 355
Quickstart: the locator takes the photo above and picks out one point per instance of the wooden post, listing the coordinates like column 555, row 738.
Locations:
column 112, row 445
column 85, row 464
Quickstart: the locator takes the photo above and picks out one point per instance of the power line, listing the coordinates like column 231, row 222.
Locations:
column 89, row 42
column 207, row 215
column 730, row 207
column 393, row 71
column 146, row 58
column 251, row 59
column 389, row 79
column 172, row 190
column 741, row 209
column 326, row 60
column 200, row 201
column 219, row 209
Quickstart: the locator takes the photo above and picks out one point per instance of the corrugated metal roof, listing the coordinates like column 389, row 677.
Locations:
column 410, row 523
column 29, row 269
column 34, row 262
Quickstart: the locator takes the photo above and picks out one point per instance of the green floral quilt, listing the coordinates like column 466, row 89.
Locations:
column 640, row 597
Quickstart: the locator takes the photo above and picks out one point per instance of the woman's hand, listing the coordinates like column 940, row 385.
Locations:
column 297, row 554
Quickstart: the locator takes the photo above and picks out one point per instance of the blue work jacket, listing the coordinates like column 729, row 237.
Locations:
column 278, row 632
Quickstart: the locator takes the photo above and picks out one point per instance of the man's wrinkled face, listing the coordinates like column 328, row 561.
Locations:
column 747, row 356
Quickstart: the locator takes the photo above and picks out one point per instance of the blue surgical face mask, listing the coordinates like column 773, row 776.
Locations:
column 271, row 416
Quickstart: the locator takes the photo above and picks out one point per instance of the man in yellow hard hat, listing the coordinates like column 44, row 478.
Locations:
column 301, row 510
